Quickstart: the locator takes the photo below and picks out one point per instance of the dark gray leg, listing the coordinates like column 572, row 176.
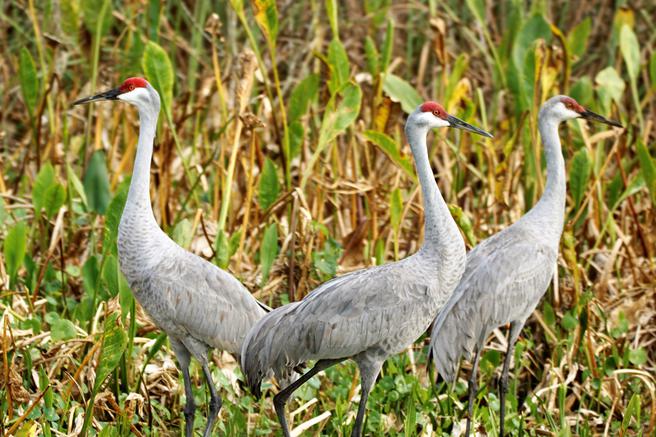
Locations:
column 184, row 357
column 472, row 388
column 215, row 401
column 515, row 329
column 368, row 374
column 280, row 400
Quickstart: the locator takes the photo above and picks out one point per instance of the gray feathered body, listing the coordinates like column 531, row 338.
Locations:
column 189, row 298
column 507, row 274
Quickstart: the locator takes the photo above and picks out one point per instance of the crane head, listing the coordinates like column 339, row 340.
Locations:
column 132, row 90
column 432, row 114
column 566, row 108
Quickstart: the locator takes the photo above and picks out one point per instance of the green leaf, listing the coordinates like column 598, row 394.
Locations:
column 62, row 329
column 331, row 11
column 96, row 183
column 372, row 56
column 29, row 81
column 630, row 49
column 74, row 183
column 266, row 16
column 577, row 39
column 579, row 174
column 181, row 233
column 97, row 12
column 389, row 146
column 14, row 249
column 54, row 198
column 113, row 345
column 569, row 322
column 388, row 45
column 44, row 180
column 582, row 91
column 533, row 29
column 610, row 87
column 269, row 185
column 222, row 249
column 268, row 251
column 303, row 93
column 477, row 8
column 113, row 217
column 401, row 91
column 340, row 69
column 632, row 411
column 325, row 261
column 159, row 71
column 396, row 209
column 648, row 169
column 336, row 119
column 638, row 357
column 70, row 22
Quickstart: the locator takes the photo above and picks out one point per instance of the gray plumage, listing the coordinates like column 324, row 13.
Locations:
column 198, row 305
column 369, row 314
column 507, row 274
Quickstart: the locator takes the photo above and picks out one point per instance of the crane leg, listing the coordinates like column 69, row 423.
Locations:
column 280, row 400
column 515, row 329
column 215, row 401
column 184, row 357
column 472, row 388
column 368, row 374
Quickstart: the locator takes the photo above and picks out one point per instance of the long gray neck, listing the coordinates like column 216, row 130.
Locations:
column 440, row 231
column 139, row 193
column 549, row 212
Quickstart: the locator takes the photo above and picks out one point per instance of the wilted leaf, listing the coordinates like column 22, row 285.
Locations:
column 29, row 80
column 389, row 146
column 401, row 91
column 579, row 174
column 96, row 183
column 268, row 251
column 266, row 16
column 269, row 187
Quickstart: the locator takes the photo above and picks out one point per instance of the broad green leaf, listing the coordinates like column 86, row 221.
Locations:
column 340, row 68
column 91, row 275
column 269, row 187
column 535, row 28
column 113, row 345
column 638, row 356
column 62, row 329
column 388, row 45
column 54, row 198
column 582, row 91
column 302, row 95
column 648, row 169
column 74, row 183
column 113, row 218
column 96, row 183
column 181, row 233
column 610, row 87
column 266, row 16
column 14, row 249
column 632, row 411
column 97, row 13
column 336, row 119
column 577, row 40
column 110, row 274
column 296, row 137
column 396, row 209
column 222, row 249
column 268, row 251
column 70, row 21
column 389, row 146
column 325, row 260
column 44, row 180
column 401, row 91
column 630, row 49
column 463, row 222
column 159, row 71
column 579, row 174
column 29, row 81
column 372, row 56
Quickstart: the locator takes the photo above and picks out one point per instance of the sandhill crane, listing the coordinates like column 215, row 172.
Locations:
column 508, row 273
column 369, row 314
column 196, row 303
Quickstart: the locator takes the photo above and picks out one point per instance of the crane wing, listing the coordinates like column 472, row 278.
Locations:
column 201, row 301
column 505, row 277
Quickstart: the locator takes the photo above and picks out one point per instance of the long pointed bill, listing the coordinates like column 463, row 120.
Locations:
column 459, row 124
column 107, row 95
column 592, row 116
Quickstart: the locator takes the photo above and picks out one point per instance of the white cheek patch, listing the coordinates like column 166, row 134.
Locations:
column 134, row 95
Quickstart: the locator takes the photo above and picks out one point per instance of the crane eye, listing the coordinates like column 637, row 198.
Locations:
column 436, row 114
column 130, row 87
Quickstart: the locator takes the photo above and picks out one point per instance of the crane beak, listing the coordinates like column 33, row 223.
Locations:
column 592, row 116
column 459, row 124
column 107, row 95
